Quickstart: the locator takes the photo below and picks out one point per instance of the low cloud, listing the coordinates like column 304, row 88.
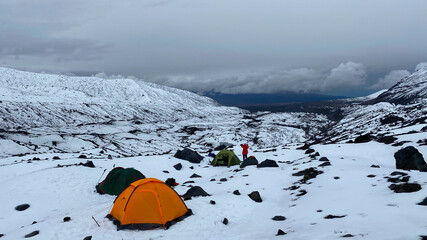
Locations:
column 390, row 79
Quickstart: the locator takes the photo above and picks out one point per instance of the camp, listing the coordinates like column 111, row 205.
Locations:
column 148, row 204
column 225, row 158
column 118, row 179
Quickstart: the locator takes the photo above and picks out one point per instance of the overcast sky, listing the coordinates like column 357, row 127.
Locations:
column 232, row 46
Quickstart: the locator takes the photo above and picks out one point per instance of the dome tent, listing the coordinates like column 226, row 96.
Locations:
column 148, row 204
column 118, row 179
column 225, row 158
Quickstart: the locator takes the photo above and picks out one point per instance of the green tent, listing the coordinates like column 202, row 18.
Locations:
column 225, row 158
column 118, row 180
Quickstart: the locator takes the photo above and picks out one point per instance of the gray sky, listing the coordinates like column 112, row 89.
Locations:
column 232, row 46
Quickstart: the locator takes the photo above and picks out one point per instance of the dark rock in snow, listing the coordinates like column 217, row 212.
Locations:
column 347, row 236
column 22, row 207
column 391, row 119
column 310, row 150
column 375, row 166
column 236, row 192
column 1, row 235
column 267, row 163
column 195, row 191
column 165, row 171
column 317, row 154
column 255, row 196
column 336, row 177
column 249, row 161
column 280, row 232
column 189, row 155
column 88, row 164
column 88, row 238
column 410, row 158
column 212, row 202
column 67, row 219
column 308, row 173
column 405, row 187
column 223, row 180
column 225, row 221
column 195, row 176
column 371, row 176
column 386, row 139
column 178, row 166
column 56, row 158
column 82, row 156
column 423, row 237
column 279, row 218
column 32, row 234
column 325, row 164
column 304, row 147
column 302, row 192
column 191, row 167
column 171, row 182
column 187, row 182
column 363, row 138
column 398, row 173
column 334, row 216
column 213, row 179
column 324, row 159
column 423, row 203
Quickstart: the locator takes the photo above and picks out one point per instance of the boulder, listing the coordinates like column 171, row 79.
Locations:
column 67, row 219
column 195, row 191
column 280, row 232
column 195, row 176
column 88, row 238
column 22, row 207
column 82, row 156
column 325, row 164
column 423, row 203
column 330, row 216
column 310, row 150
column 236, row 192
column 386, row 139
column 279, row 218
column 324, row 159
column 405, row 187
column 32, row 234
column 255, row 196
column 363, row 138
column 178, row 166
column 249, row 161
column 88, row 164
column 189, row 155
column 410, row 158
column 212, row 202
column 267, row 163
column 225, row 221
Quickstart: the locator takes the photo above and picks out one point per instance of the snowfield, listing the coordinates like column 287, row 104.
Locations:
column 49, row 121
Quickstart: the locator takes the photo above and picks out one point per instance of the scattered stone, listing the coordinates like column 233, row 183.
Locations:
column 410, row 158
column 304, row 147
column 1, row 235
column 280, row 232
column 398, row 173
column 195, row 176
column 189, row 155
column 309, row 151
column 371, row 176
column 375, row 166
column 165, row 171
column 398, row 144
column 424, row 237
column 325, row 164
column 178, row 166
column 324, row 159
column 195, row 191
column 225, row 221
column 36, row 159
column 391, row 119
column 34, row 222
column 56, row 158
column 82, row 156
column 279, row 218
column 223, row 180
column 386, row 139
column 22, row 207
column 187, row 182
column 67, row 219
column 88, row 164
column 191, row 167
column 212, row 179
column 308, row 173
column 347, row 236
column 336, row 177
column 171, row 182
column 255, row 196
column 405, row 187
column 88, row 238
column 423, row 203
column 236, row 192
column 212, row 202
column 363, row 138
column 317, row 154
column 320, row 210
column 249, row 161
column 267, row 163
column 302, row 192
column 292, row 188
column 32, row 234
column 334, row 216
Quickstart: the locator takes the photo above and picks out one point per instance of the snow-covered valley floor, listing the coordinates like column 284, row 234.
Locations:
column 371, row 209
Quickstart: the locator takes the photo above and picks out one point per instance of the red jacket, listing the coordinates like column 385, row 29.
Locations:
column 245, row 149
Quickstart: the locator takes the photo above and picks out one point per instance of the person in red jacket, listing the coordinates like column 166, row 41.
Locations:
column 245, row 150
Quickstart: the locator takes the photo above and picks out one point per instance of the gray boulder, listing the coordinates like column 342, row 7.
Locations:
column 410, row 158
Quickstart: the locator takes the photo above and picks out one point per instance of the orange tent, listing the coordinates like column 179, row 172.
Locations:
column 146, row 204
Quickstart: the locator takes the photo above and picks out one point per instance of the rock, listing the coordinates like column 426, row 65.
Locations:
column 334, row 216
column 405, row 187
column 187, row 182
column 67, row 219
column 223, row 180
column 189, row 155
column 88, row 238
column 1, row 235
column 171, row 182
column 82, row 156
column 310, row 150
column 267, row 163
column 391, row 119
column 195, row 191
column 304, row 147
column 410, row 158
column 302, row 192
column 191, row 167
column 255, row 196
column 319, row 210
column 34, row 222
column 56, row 158
column 212, row 202
column 236, row 192
column 424, row 237
column 280, row 232
column 398, row 173
column 308, row 173
column 22, row 207
column 423, row 203
column 88, row 164
column 336, row 177
column 165, row 171
column 386, row 139
column 212, row 179
column 316, row 154
column 363, row 138
column 249, row 161
column 371, row 176
column 324, row 159
column 325, row 164
column 347, row 235
column 225, row 221
column 375, row 166
column 32, row 234
column 178, row 166
column 195, row 176
column 279, row 218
